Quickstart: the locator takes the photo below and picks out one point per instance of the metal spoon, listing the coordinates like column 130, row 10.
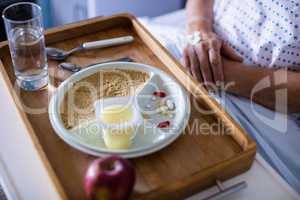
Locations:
column 75, row 67
column 59, row 54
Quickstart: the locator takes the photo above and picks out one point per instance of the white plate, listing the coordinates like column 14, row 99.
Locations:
column 148, row 141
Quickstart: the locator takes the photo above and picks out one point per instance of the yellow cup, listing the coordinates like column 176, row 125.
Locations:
column 119, row 120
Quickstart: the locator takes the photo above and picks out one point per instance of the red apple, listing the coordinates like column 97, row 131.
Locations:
column 109, row 178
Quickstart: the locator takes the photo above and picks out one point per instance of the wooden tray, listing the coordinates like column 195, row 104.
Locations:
column 192, row 163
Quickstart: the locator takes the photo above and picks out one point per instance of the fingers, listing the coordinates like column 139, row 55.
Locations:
column 204, row 60
column 186, row 59
column 194, row 63
column 230, row 53
column 202, row 54
column 216, row 60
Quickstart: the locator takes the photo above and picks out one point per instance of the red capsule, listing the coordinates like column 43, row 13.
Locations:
column 161, row 94
column 164, row 124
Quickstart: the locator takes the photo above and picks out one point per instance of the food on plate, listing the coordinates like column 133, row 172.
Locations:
column 77, row 106
column 160, row 94
column 120, row 136
column 116, row 114
column 164, row 124
column 170, row 104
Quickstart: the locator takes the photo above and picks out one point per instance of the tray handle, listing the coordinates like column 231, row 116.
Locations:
column 224, row 192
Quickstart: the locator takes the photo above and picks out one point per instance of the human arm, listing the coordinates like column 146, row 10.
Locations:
column 247, row 79
column 199, row 15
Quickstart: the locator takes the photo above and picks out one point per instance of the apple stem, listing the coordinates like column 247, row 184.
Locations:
column 109, row 166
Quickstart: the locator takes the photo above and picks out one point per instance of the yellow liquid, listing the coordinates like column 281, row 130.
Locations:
column 116, row 114
column 117, row 138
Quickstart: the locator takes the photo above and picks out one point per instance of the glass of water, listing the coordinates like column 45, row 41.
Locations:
column 25, row 34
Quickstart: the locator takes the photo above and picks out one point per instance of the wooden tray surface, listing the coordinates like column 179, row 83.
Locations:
column 193, row 162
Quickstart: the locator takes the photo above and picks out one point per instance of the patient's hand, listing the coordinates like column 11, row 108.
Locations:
column 204, row 60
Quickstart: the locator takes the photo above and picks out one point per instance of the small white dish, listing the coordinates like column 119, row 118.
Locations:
column 144, row 98
column 88, row 137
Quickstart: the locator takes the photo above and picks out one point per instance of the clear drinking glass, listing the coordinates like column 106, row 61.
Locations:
column 25, row 34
